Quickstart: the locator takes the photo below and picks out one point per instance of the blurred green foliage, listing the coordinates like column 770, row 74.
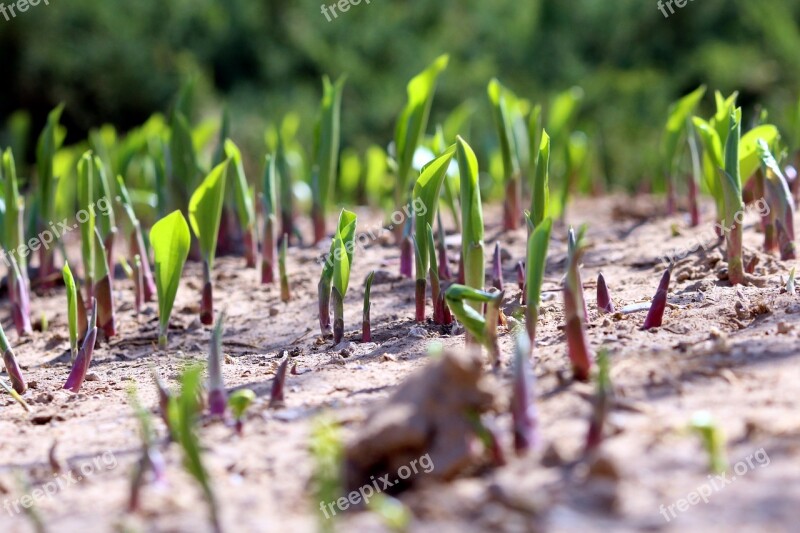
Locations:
column 118, row 62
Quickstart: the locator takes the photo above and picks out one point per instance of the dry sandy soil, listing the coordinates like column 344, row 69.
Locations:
column 729, row 351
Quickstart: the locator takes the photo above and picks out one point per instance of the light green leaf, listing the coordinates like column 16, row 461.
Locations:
column 205, row 210
column 170, row 240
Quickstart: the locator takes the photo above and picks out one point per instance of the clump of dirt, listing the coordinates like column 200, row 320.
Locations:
column 432, row 412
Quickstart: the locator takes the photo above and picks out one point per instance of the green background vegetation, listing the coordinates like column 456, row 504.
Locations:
column 120, row 61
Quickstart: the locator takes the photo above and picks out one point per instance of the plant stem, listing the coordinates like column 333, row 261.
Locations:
column 207, row 299
column 268, row 252
column 338, row 316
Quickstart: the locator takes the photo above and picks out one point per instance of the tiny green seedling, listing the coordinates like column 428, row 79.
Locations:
column 345, row 233
column 245, row 204
column 538, row 242
column 72, row 310
column 483, row 329
column 472, row 221
column 366, row 324
column 170, row 240
column 10, row 362
column 713, row 440
column 238, row 402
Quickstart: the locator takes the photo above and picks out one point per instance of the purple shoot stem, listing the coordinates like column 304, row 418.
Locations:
column 217, row 396
column 523, row 411
column 12, row 367
column 81, row 366
column 497, row 268
column 656, row 314
column 604, row 303
column 276, row 398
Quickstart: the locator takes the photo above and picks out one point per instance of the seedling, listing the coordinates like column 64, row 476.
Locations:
column 497, row 268
column 444, row 265
column 655, row 315
column 345, row 233
column 327, row 452
column 734, row 205
column 523, row 410
column 287, row 197
column 366, row 324
column 106, row 224
column 245, row 208
column 277, row 397
column 12, row 367
column 49, row 142
column 601, row 403
column 412, row 123
column 713, row 440
column 86, row 198
column 136, row 240
column 580, row 352
column 286, row 294
column 538, row 243
column 540, row 203
column 426, row 194
column 604, row 303
column 205, row 210
column 472, row 267
column 781, row 202
column 81, row 365
column 217, row 396
column 238, row 402
column 14, row 394
column 326, row 152
column 270, row 218
column 72, row 310
column 462, row 300
column 13, row 236
column 103, row 292
column 170, row 240
column 20, row 305
column 184, row 411
column 504, row 111
column 151, row 459
column 679, row 113
column 790, row 284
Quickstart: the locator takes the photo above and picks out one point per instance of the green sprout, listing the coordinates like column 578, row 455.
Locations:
column 286, row 294
column 170, row 240
column 326, row 152
column 540, row 202
column 343, row 246
column 504, row 110
column 426, row 199
column 346, row 232
column 245, row 205
column 483, row 329
column 713, row 440
column 327, row 451
column 49, row 142
column 270, row 217
column 472, row 221
column 205, row 212
column 734, row 204
column 184, row 410
column 674, row 131
column 538, row 243
column 137, row 244
column 238, row 402
column 72, row 310
column 366, row 323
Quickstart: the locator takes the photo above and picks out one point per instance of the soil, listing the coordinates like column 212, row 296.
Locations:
column 729, row 351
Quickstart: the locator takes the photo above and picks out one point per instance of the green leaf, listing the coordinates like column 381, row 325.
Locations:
column 86, row 197
column 413, row 120
column 244, row 201
column 239, row 401
column 538, row 243
column 541, row 183
column 72, row 307
column 749, row 158
column 346, row 230
column 49, row 143
column 471, row 217
column 12, row 223
column 679, row 112
column 326, row 141
column 458, row 295
column 502, row 101
column 427, row 191
column 170, row 240
column 102, row 189
column 269, row 186
column 205, row 210
column 342, row 249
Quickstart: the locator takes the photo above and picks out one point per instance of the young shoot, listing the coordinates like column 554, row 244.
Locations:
column 579, row 350
column 346, row 233
column 540, row 202
column 462, row 300
column 205, row 210
column 81, row 365
column 103, row 291
column 326, row 152
column 48, row 144
column 270, row 219
column 536, row 264
column 523, row 409
column 655, row 316
column 72, row 310
column 504, row 103
column 136, row 243
column 604, row 303
column 286, row 294
column 426, row 196
column 12, row 367
column 713, row 440
column 734, row 205
column 217, row 396
column 245, row 205
column 238, row 402
column 170, row 240
column 601, row 402
column 366, row 324
column 473, row 266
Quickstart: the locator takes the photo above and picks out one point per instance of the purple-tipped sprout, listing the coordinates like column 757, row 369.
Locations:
column 444, row 265
column 656, row 314
column 137, row 248
column 604, row 303
column 523, row 410
column 217, row 396
column 84, row 359
column 276, row 397
column 20, row 299
column 601, row 404
column 12, row 367
column 521, row 282
column 406, row 257
column 497, row 268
